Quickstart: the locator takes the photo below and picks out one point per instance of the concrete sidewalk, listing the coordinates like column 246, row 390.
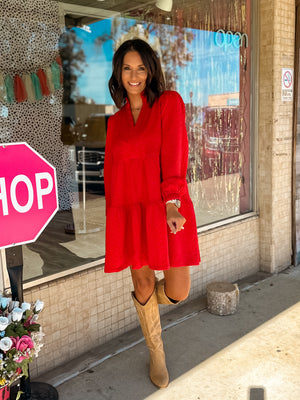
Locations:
column 252, row 355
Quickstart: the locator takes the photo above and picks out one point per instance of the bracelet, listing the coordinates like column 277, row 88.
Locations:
column 176, row 202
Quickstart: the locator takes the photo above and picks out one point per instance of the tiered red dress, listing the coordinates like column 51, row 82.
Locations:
column 145, row 165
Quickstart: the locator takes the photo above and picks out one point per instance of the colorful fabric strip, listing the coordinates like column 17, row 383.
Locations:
column 36, row 86
column 50, row 85
column 55, row 69
column 58, row 60
column 29, row 88
column 3, row 97
column 19, row 89
column 9, row 84
column 43, row 82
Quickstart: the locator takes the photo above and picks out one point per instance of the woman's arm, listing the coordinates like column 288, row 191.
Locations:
column 174, row 156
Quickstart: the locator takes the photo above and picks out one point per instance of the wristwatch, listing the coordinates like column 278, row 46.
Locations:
column 176, row 202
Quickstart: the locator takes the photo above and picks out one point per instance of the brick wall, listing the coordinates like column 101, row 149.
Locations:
column 89, row 308
column 277, row 32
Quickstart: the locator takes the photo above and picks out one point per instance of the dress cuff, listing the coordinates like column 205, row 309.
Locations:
column 173, row 188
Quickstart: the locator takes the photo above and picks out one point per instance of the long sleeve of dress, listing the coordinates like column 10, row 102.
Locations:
column 174, row 148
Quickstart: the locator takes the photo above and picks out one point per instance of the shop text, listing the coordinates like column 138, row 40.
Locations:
column 33, row 192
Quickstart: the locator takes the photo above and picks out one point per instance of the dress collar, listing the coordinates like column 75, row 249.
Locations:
column 143, row 96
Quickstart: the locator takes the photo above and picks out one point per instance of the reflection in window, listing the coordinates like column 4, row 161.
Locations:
column 205, row 52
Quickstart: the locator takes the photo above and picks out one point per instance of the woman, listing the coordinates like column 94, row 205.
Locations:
column 150, row 220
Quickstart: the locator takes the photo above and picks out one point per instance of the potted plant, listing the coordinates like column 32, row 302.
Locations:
column 20, row 340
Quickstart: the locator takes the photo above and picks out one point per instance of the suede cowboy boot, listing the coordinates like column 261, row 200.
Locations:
column 162, row 298
column 151, row 327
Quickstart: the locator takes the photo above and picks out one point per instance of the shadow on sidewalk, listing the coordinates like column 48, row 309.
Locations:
column 192, row 337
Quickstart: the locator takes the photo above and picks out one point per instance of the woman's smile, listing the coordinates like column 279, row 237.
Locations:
column 134, row 73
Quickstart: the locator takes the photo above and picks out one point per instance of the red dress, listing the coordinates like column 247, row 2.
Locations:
column 145, row 165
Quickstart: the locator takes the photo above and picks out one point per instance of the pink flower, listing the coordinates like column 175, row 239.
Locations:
column 14, row 341
column 22, row 343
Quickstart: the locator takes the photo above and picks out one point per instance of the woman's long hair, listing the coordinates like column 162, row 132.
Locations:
column 155, row 84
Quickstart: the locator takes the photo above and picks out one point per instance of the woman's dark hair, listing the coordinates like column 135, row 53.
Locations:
column 155, row 84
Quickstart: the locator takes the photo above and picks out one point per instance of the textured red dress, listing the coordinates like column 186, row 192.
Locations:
column 145, row 165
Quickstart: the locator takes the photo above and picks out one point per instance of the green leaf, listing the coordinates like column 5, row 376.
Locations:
column 33, row 328
column 28, row 313
column 24, row 366
column 19, row 394
column 15, row 329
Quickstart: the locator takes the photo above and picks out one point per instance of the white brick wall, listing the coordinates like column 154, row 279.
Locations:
column 89, row 308
column 277, row 32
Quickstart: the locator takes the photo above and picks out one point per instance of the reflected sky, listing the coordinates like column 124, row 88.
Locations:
column 213, row 70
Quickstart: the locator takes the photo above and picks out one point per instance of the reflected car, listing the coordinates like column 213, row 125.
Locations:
column 90, row 166
column 90, row 152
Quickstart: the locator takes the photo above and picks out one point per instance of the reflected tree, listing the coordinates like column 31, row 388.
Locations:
column 73, row 62
column 172, row 41
column 174, row 50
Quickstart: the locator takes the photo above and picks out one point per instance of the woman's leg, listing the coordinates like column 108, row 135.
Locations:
column 177, row 283
column 143, row 282
column 175, row 286
column 145, row 301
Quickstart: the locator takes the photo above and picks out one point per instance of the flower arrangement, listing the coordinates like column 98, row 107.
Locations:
column 20, row 338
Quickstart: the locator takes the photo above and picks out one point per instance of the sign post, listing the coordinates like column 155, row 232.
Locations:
column 28, row 201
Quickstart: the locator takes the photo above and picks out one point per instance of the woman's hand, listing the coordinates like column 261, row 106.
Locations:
column 174, row 219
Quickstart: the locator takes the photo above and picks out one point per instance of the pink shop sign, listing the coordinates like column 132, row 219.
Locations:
column 28, row 194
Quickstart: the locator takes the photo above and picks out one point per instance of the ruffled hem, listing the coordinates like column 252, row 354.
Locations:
column 186, row 263
column 122, row 267
column 138, row 235
column 132, row 233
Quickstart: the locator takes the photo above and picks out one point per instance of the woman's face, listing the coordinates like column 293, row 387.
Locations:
column 134, row 73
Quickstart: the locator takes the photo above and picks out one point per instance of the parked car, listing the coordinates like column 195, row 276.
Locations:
column 90, row 152
column 90, row 166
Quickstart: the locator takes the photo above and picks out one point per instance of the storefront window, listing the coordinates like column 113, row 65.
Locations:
column 205, row 51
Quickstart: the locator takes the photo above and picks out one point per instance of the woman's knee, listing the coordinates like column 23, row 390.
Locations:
column 180, row 294
column 178, row 290
column 143, row 287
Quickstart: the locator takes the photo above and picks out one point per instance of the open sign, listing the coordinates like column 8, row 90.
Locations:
column 229, row 38
column 28, row 194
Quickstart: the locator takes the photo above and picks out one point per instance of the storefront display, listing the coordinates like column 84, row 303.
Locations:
column 205, row 51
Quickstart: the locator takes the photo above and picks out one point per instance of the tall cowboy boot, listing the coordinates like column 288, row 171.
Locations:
column 162, row 298
column 151, row 327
